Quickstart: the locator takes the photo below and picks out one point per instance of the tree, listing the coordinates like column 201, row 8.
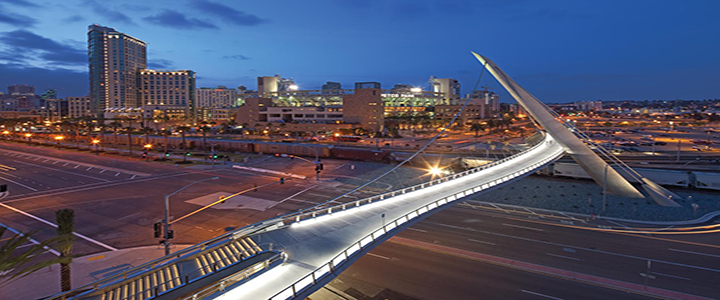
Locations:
column 65, row 219
column 17, row 260
column 183, row 130
column 477, row 127
column 115, row 125
column 146, row 131
column 129, row 130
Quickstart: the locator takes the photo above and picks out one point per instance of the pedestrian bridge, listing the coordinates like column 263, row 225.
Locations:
column 292, row 256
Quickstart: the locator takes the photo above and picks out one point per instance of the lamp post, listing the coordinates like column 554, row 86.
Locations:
column 29, row 137
column 148, row 147
column 168, row 234
column 59, row 139
column 5, row 134
column 96, row 142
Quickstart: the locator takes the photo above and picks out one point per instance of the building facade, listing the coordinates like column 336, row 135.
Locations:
column 167, row 93
column 78, row 106
column 114, row 61
column 216, row 97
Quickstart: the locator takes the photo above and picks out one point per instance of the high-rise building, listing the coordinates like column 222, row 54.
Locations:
column 167, row 92
column 21, row 89
column 217, row 97
column 450, row 87
column 78, row 106
column 115, row 59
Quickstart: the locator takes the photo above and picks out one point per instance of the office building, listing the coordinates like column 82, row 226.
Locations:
column 114, row 59
column 449, row 87
column 21, row 89
column 78, row 106
column 167, row 93
column 217, row 97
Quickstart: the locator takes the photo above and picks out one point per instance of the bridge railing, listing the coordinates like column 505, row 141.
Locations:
column 293, row 218
column 369, row 240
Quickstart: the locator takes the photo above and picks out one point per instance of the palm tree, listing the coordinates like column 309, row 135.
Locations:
column 146, row 131
column 115, row 125
column 165, row 133
column 183, row 130
column 65, row 219
column 17, row 260
column 129, row 130
column 477, row 127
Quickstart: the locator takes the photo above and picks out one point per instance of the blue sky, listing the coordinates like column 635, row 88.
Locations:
column 560, row 51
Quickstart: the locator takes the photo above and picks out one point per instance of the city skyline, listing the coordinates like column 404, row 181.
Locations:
column 578, row 51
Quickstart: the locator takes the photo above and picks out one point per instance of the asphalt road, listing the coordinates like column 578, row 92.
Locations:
column 688, row 264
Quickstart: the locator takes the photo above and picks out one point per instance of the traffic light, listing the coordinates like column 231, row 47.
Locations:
column 214, row 156
column 158, row 229
column 187, row 153
column 321, row 166
column 292, row 156
column 144, row 155
column 167, row 154
column 170, row 234
column 282, row 180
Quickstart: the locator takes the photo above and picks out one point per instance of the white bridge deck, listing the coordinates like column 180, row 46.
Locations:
column 321, row 244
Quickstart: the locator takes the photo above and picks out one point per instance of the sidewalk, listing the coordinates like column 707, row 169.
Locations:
column 84, row 270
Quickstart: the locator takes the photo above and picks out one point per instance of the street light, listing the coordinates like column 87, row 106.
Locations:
column 5, row 134
column 166, row 222
column 29, row 136
column 59, row 138
column 96, row 142
column 148, row 147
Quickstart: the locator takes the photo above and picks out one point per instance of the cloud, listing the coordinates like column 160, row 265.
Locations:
column 15, row 19
column 228, row 13
column 74, row 18
column 68, row 82
column 159, row 64
column 25, row 42
column 20, row 3
column 237, row 56
column 112, row 15
column 174, row 19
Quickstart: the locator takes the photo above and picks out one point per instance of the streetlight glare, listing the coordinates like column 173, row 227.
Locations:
column 435, row 171
column 293, row 87
column 416, row 90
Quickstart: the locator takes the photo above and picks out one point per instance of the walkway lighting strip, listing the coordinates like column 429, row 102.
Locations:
column 313, row 278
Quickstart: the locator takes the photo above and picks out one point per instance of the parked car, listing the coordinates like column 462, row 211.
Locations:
column 660, row 143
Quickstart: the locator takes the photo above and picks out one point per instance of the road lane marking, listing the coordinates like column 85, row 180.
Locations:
column 691, row 252
column 55, row 162
column 133, row 177
column 482, row 242
column 53, row 251
column 58, row 170
column 54, row 225
column 495, row 206
column 616, row 223
column 66, row 164
column 102, row 171
column 565, row 257
column 288, row 198
column 45, row 160
column 20, row 184
column 523, row 227
column 88, row 169
column 579, row 248
column 530, row 211
column 672, row 276
column 378, row 256
column 116, row 174
column 36, row 158
column 420, row 230
column 76, row 167
column 541, row 295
